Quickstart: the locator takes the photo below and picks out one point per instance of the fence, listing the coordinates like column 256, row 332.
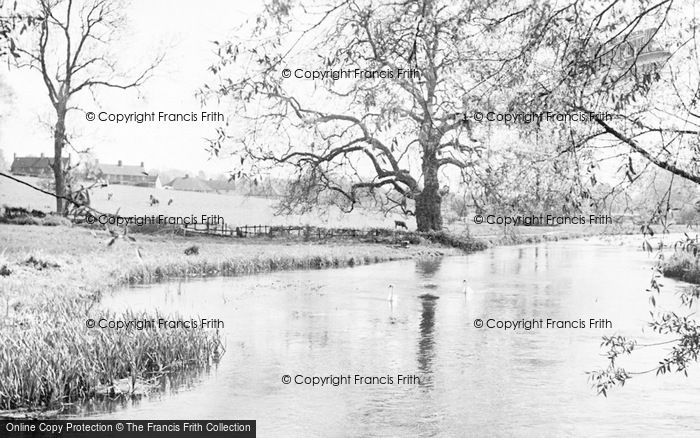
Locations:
column 290, row 231
column 300, row 231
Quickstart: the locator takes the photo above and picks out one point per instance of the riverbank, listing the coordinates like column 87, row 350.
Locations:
column 51, row 279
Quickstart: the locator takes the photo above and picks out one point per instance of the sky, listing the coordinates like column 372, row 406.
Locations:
column 184, row 31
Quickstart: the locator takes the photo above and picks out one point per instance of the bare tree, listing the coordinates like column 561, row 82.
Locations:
column 70, row 51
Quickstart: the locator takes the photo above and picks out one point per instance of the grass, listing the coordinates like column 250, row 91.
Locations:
column 235, row 209
column 48, row 357
column 51, row 282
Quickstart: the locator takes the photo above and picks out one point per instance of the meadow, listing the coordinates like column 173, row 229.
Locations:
column 236, row 210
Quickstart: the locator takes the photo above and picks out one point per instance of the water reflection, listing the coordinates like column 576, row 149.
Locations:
column 475, row 382
column 427, row 267
column 426, row 342
column 166, row 385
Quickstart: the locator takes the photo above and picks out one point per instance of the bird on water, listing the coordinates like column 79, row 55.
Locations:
column 391, row 298
column 466, row 289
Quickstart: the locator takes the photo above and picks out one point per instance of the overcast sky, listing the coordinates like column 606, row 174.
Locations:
column 184, row 31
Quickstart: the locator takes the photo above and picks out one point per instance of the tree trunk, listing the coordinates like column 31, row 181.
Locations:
column 429, row 200
column 59, row 136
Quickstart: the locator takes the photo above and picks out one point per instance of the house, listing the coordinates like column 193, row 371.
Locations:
column 189, row 184
column 35, row 166
column 127, row 174
column 222, row 185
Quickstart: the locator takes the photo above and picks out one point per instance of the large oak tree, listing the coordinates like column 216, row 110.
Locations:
column 392, row 139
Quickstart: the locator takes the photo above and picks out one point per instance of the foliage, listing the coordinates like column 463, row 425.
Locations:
column 13, row 24
column 682, row 329
column 684, row 264
column 391, row 140
column 192, row 250
column 636, row 62
column 466, row 244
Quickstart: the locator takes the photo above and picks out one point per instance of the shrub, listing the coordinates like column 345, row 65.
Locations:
column 39, row 262
column 53, row 220
column 464, row 243
column 683, row 266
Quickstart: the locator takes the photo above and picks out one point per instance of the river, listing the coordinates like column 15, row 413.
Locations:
column 472, row 381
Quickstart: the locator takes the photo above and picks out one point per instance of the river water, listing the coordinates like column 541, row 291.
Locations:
column 473, row 381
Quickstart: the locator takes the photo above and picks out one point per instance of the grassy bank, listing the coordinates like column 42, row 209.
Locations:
column 51, row 281
column 500, row 236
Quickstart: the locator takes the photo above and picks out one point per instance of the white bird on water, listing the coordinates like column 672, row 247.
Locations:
column 466, row 289
column 392, row 298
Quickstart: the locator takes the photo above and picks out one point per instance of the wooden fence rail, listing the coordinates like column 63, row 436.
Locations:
column 307, row 232
column 244, row 231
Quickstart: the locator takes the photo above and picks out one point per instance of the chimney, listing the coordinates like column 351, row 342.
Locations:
column 119, row 163
column 187, row 175
column 41, row 155
column 142, row 164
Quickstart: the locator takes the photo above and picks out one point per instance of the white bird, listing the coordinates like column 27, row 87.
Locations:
column 391, row 298
column 466, row 289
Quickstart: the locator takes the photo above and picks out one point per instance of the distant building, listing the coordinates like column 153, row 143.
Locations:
column 189, row 184
column 127, row 174
column 35, row 166
column 222, row 185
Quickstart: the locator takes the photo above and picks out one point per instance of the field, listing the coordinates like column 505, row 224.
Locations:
column 240, row 210
column 235, row 209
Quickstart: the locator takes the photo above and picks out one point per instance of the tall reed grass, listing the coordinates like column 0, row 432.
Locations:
column 51, row 358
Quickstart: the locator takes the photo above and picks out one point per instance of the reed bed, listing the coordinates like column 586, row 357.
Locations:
column 47, row 364
column 235, row 266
